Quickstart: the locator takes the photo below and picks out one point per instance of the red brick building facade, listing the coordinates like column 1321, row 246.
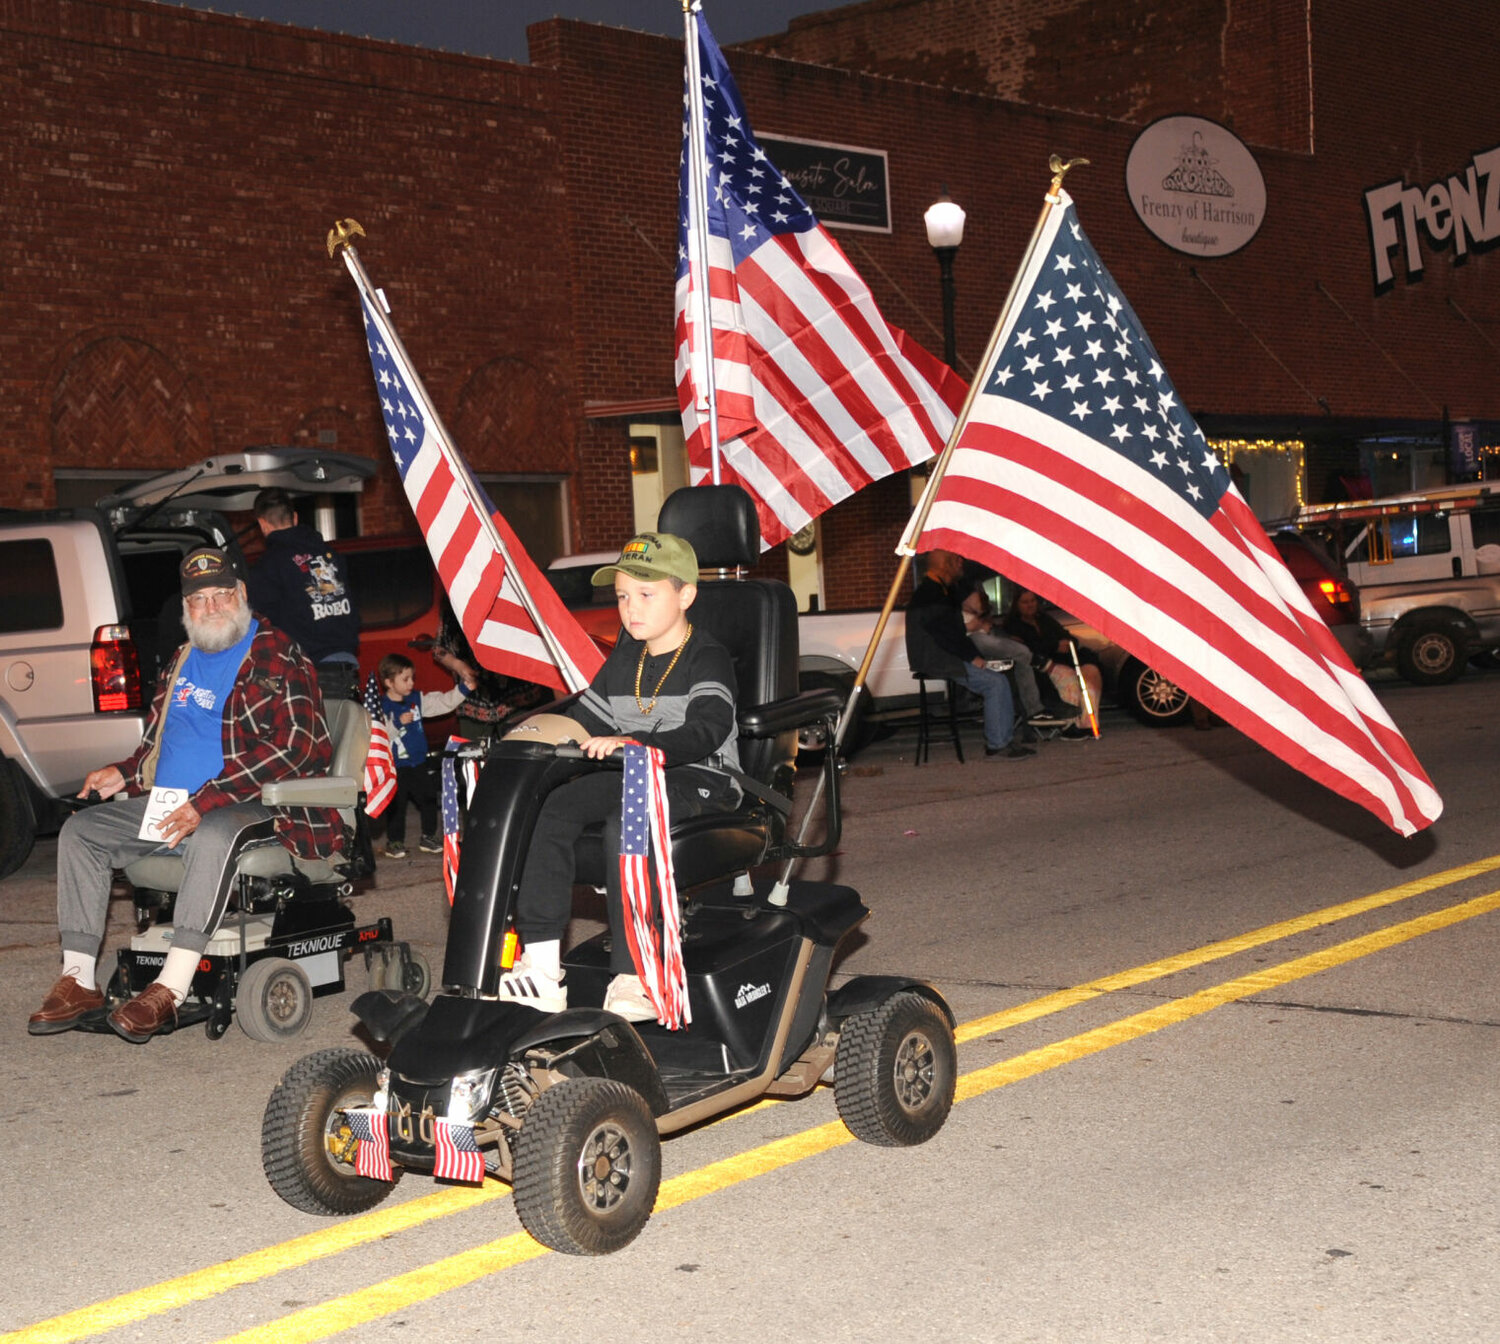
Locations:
column 171, row 176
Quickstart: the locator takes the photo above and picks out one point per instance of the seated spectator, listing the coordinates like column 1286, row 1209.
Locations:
column 982, row 625
column 1052, row 649
column 937, row 647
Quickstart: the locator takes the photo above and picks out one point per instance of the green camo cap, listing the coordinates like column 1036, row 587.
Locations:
column 653, row 555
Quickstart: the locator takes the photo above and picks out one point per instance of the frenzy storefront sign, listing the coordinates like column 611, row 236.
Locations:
column 1457, row 211
column 1194, row 184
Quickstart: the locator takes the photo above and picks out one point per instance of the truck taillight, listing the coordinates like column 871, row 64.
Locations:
column 115, row 669
column 1335, row 591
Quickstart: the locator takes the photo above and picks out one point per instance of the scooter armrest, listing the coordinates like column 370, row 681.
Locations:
column 312, row 791
column 796, row 711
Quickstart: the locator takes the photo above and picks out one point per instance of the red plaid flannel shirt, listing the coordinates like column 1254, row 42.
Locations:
column 274, row 729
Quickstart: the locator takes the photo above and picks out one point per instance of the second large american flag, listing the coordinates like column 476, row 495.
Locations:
column 817, row 395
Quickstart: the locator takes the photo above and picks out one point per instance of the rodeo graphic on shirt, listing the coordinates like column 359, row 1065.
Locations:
column 325, row 590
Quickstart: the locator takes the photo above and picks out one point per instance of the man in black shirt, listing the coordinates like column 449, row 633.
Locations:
column 302, row 587
column 938, row 646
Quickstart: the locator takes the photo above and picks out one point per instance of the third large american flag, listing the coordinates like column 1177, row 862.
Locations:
column 1080, row 474
column 817, row 396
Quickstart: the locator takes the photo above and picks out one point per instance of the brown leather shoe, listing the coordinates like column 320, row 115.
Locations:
column 66, row 1005
column 142, row 1017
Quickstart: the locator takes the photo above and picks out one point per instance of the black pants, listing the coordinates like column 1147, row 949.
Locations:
column 338, row 680
column 414, row 784
column 546, row 897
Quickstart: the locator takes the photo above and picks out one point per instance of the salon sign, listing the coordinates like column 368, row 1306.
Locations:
column 1194, row 184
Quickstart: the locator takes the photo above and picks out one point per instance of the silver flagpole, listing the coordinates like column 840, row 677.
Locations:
column 341, row 237
column 697, row 179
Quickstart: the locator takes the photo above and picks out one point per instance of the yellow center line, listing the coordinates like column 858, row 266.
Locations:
column 455, row 1271
column 214, row 1279
column 1225, row 947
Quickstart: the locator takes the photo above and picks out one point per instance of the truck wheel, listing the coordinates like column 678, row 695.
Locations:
column 861, row 731
column 895, row 1071
column 1152, row 698
column 17, row 820
column 306, row 1147
column 274, row 1000
column 1431, row 653
column 588, row 1164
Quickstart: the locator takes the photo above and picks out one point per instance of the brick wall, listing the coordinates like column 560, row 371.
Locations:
column 171, row 176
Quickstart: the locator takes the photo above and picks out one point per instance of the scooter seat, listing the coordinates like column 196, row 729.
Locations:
column 704, row 848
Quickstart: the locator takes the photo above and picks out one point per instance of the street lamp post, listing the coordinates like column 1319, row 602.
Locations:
column 945, row 231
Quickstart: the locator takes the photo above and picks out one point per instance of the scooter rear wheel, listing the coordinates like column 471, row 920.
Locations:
column 306, row 1149
column 588, row 1164
column 895, row 1071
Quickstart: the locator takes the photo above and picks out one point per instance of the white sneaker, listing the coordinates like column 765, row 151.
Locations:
column 627, row 998
column 536, row 989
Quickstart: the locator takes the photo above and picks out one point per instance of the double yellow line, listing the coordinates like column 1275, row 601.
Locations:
column 404, row 1290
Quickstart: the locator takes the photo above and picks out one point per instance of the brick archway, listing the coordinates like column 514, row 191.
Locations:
column 120, row 402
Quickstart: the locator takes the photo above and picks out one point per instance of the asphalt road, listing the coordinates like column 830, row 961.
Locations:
column 1280, row 1126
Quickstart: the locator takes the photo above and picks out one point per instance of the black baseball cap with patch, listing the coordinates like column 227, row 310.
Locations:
column 653, row 555
column 207, row 567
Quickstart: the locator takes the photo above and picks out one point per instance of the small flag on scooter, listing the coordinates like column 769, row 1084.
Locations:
column 645, row 827
column 451, row 809
column 458, row 1156
column 380, row 765
column 373, row 1158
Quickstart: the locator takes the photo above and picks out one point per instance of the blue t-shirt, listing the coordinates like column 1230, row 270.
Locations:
column 192, row 741
column 408, row 740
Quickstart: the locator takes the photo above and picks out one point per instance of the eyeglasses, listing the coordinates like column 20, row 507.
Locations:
column 213, row 597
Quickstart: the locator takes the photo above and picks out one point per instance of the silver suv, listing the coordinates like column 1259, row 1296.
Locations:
column 82, row 597
column 1428, row 570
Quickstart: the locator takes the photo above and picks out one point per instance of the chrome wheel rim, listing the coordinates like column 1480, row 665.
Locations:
column 915, row 1070
column 605, row 1167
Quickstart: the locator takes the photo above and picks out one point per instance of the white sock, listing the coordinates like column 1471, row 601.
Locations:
column 81, row 968
column 177, row 974
column 546, row 958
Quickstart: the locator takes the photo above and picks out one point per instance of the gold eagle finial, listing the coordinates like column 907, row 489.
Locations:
column 1060, row 171
column 340, row 234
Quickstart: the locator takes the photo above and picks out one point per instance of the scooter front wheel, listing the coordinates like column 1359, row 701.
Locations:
column 895, row 1071
column 588, row 1164
column 306, row 1147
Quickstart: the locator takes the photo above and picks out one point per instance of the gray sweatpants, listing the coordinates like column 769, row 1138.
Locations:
column 99, row 839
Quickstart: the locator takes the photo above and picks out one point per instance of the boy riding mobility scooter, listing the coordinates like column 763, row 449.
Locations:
column 569, row 1107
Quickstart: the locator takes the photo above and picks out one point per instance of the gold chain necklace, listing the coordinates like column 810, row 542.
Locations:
column 640, row 669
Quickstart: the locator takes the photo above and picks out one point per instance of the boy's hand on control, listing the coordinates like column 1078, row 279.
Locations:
column 597, row 748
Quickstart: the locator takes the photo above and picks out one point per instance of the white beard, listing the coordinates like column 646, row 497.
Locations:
column 219, row 631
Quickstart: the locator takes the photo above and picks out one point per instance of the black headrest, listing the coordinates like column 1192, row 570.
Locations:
column 719, row 521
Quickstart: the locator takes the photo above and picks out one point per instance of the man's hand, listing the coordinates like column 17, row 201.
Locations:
column 106, row 782
column 599, row 747
column 176, row 826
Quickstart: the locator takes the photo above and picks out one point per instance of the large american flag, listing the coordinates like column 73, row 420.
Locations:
column 485, row 592
column 1081, row 475
column 817, row 395
column 380, row 765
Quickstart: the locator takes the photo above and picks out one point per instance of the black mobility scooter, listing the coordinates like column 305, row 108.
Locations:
column 569, row 1107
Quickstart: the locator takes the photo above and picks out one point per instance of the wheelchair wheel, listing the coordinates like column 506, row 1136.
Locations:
column 411, row 975
column 588, row 1164
column 274, row 1000
column 895, row 1071
column 306, row 1148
